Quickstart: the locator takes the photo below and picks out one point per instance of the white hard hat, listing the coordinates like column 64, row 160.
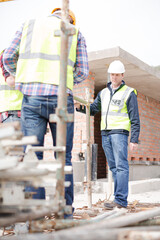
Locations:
column 116, row 67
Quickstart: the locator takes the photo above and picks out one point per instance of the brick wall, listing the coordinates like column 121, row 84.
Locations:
column 149, row 147
column 79, row 144
column 101, row 165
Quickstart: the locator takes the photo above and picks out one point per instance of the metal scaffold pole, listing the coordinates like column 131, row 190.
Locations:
column 62, row 117
column 88, row 143
column 62, row 99
column 109, row 190
column 88, row 149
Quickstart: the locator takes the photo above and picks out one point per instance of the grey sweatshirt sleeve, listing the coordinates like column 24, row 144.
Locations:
column 95, row 107
column 132, row 107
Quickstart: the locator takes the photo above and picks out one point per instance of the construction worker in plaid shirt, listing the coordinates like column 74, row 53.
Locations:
column 34, row 56
column 10, row 99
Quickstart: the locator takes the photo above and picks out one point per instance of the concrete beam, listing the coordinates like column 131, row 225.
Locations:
column 139, row 75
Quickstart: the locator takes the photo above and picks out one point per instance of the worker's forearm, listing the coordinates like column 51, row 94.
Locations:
column 10, row 62
column 4, row 72
column 11, row 54
column 81, row 70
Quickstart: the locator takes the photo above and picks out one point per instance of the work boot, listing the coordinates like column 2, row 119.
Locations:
column 112, row 205
column 68, row 216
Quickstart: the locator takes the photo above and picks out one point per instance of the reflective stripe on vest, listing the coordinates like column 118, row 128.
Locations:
column 10, row 99
column 39, row 55
column 114, row 114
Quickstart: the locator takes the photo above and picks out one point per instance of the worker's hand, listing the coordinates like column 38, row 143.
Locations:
column 10, row 81
column 77, row 104
column 133, row 146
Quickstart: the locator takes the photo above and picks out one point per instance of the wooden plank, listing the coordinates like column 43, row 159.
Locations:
column 79, row 233
column 27, row 216
column 144, row 235
column 15, row 124
column 99, row 230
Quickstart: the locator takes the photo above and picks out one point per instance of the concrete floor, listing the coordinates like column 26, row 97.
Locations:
column 144, row 191
column 81, row 200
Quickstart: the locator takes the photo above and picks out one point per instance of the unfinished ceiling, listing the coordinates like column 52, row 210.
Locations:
column 139, row 75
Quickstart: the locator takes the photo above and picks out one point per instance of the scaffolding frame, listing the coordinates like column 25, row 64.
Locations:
column 61, row 117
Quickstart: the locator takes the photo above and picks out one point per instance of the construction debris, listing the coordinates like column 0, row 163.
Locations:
column 15, row 204
column 15, row 173
column 106, row 226
column 140, row 215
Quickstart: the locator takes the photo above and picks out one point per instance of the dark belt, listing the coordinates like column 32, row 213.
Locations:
column 12, row 112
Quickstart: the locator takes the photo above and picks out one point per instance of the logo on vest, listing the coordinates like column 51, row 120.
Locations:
column 116, row 102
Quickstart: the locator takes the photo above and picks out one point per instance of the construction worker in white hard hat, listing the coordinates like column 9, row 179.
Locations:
column 34, row 57
column 119, row 113
column 116, row 67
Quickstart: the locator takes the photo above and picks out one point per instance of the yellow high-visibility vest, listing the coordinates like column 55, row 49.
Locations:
column 114, row 114
column 39, row 55
column 10, row 99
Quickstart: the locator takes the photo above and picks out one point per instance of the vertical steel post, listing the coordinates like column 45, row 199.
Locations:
column 62, row 98
column 88, row 142
column 109, row 190
column 88, row 149
column 94, row 162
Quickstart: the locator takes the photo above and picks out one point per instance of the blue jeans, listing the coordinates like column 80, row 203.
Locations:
column 35, row 116
column 116, row 150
